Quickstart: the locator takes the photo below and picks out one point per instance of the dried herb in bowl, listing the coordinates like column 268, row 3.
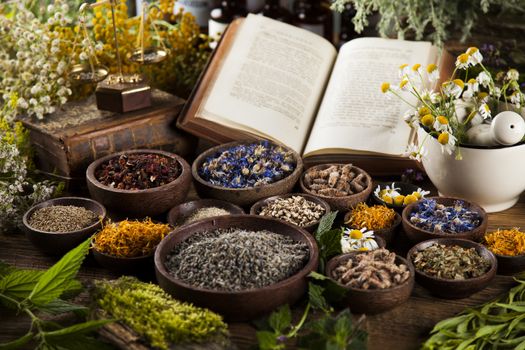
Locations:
column 335, row 181
column 249, row 165
column 138, row 171
column 450, row 262
column 374, row 217
column 296, row 210
column 506, row 242
column 62, row 218
column 439, row 218
column 130, row 239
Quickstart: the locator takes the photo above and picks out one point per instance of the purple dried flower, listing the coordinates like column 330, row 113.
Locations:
column 438, row 218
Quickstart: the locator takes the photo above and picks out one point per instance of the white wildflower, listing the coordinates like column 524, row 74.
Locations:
column 483, row 79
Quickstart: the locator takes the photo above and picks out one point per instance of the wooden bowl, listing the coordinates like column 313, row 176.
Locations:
column 242, row 196
column 416, row 234
column 449, row 288
column 373, row 301
column 256, row 208
column 242, row 305
column 121, row 264
column 405, row 188
column 61, row 242
column 341, row 204
column 387, row 233
column 178, row 214
column 510, row 265
column 141, row 203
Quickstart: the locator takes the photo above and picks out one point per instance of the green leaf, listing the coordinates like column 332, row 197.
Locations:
column 73, row 288
column 267, row 340
column 15, row 344
column 333, row 292
column 19, row 283
column 343, row 328
column 316, row 298
column 450, row 323
column 281, row 319
column 330, row 243
column 318, row 276
column 325, row 224
column 486, row 330
column 56, row 280
column 5, row 268
column 59, row 306
column 80, row 328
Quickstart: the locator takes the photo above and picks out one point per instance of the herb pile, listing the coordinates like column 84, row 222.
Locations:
column 506, row 242
column 335, row 181
column 438, row 218
column 295, row 209
column 374, row 217
column 31, row 292
column 62, row 218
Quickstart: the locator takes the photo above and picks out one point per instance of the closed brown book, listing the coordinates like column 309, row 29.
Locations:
column 68, row 140
column 270, row 80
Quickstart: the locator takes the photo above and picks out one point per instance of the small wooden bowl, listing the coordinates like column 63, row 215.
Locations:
column 416, row 234
column 141, row 203
column 387, row 233
column 242, row 305
column 256, row 208
column 61, row 242
column 449, row 288
column 242, row 196
column 404, row 189
column 341, row 204
column 121, row 264
column 373, row 301
column 510, row 265
column 178, row 214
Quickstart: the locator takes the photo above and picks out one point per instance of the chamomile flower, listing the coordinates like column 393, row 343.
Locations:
column 411, row 118
column 462, row 61
column 427, row 120
column 448, row 142
column 496, row 92
column 420, row 193
column 512, row 74
column 472, row 88
column 415, row 152
column 515, row 99
column 484, row 111
column 441, row 124
column 404, row 85
column 416, row 71
column 354, row 239
column 429, row 96
column 432, row 72
column 483, row 79
column 403, row 70
column 475, row 57
column 453, row 88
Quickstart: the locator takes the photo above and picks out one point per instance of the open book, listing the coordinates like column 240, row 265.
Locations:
column 271, row 80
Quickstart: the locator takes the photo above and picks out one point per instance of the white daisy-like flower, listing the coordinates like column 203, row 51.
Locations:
column 416, row 71
column 516, row 98
column 354, row 239
column 472, row 88
column 512, row 74
column 484, row 111
column 496, row 92
column 430, row 96
column 415, row 152
column 432, row 72
column 420, row 193
column 483, row 79
column 462, row 61
column 453, row 88
column 441, row 124
column 475, row 57
column 448, row 142
column 403, row 70
column 411, row 118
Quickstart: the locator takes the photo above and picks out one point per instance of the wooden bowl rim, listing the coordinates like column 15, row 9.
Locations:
column 90, row 172
column 384, row 184
column 257, row 206
column 471, row 205
column 344, row 257
column 397, row 221
column 327, row 165
column 208, row 203
column 302, row 273
column 464, row 243
column 56, row 201
column 201, row 157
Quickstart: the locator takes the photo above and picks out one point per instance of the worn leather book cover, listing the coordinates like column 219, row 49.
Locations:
column 68, row 140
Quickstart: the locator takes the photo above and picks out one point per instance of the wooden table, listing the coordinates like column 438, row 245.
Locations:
column 404, row 327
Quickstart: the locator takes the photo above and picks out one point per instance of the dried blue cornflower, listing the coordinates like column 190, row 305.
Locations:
column 248, row 165
column 438, row 218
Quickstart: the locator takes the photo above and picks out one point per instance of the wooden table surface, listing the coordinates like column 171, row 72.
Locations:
column 404, row 327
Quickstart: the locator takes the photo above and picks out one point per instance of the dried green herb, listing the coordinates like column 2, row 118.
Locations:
column 499, row 324
column 450, row 262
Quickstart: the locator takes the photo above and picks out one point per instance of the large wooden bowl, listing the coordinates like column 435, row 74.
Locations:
column 242, row 305
column 178, row 214
column 62, row 242
column 344, row 203
column 256, row 208
column 416, row 234
column 373, row 301
column 449, row 288
column 141, row 203
column 242, row 196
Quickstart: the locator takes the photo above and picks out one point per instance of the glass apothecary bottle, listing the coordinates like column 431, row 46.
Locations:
column 221, row 16
column 273, row 9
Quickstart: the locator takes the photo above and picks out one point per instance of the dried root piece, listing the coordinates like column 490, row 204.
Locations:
column 343, row 178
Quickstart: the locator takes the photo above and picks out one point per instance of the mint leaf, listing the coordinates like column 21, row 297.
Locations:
column 330, row 242
column 80, row 328
column 72, row 288
column 343, row 328
column 18, row 284
column 267, row 341
column 15, row 344
column 316, row 298
column 333, row 292
column 59, row 306
column 318, row 276
column 281, row 319
column 325, row 224
column 56, row 280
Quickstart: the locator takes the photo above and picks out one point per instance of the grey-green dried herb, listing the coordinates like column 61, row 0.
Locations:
column 372, row 270
column 296, row 210
column 236, row 259
column 450, row 262
column 205, row 213
column 62, row 218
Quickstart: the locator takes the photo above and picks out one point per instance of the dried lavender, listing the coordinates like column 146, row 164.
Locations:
column 372, row 270
column 62, row 218
column 450, row 262
column 250, row 165
column 296, row 210
column 204, row 213
column 438, row 218
column 236, row 259
column 138, row 171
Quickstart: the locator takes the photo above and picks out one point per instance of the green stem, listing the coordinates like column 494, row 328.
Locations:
column 11, row 300
column 298, row 326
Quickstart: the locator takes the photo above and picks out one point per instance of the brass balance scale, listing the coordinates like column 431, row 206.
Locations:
column 118, row 92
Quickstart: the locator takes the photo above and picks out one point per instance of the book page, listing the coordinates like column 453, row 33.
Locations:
column 271, row 81
column 354, row 114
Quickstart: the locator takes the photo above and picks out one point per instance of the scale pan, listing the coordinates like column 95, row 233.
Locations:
column 152, row 55
column 82, row 74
